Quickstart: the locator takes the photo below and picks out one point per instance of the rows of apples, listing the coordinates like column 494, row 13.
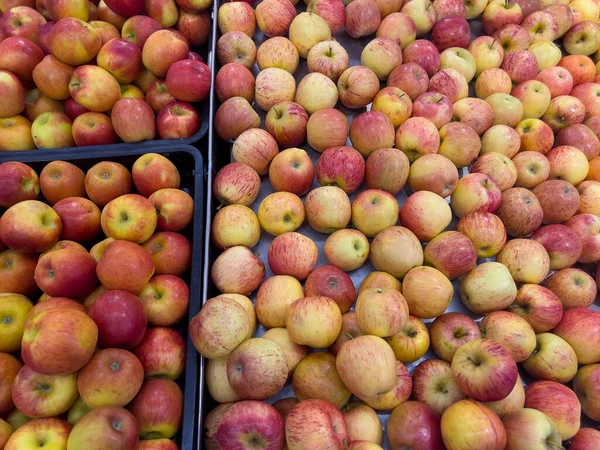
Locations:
column 93, row 363
column 529, row 139
column 79, row 72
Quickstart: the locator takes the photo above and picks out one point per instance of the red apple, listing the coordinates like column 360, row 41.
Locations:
column 562, row 244
column 20, row 183
column 162, row 353
column 121, row 257
column 332, row 282
column 158, row 407
column 177, row 120
column 451, row 31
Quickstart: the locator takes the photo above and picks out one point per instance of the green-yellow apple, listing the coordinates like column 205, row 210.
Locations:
column 363, row 423
column 14, row 309
column 40, row 396
column 514, row 401
column 294, row 353
column 315, row 92
column 316, row 377
column 59, row 341
column 568, row 163
column 396, row 250
column 52, row 130
column 347, row 249
column 552, row 359
column 374, row 210
column 531, row 428
column 235, row 225
column 467, row 424
column 314, row 321
column 585, row 386
column 328, row 209
column 370, row 316
column 274, row 297
column 105, row 427
column 207, row 327
column 216, row 381
column 77, row 411
column 374, row 367
column 427, row 291
column 381, row 55
column 51, row 432
column 423, row 14
column 257, row 369
column 546, row 53
column 459, row 59
column 507, row 109
column 113, row 377
column 487, row 52
column 398, row 395
column 433, row 385
column 484, row 370
column 426, row 214
column 526, row 260
column 281, row 212
column 412, row 342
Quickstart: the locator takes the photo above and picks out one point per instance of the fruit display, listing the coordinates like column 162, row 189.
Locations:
column 406, row 226
column 96, row 283
column 85, row 73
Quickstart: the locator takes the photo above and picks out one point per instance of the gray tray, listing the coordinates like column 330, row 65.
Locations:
column 219, row 154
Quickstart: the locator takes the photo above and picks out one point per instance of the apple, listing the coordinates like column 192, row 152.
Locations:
column 328, row 428
column 20, row 231
column 103, row 182
column 107, row 31
column 387, row 169
column 357, row 87
column 23, row 21
column 10, row 368
column 515, row 401
column 373, row 211
column 398, row 395
column 314, row 321
column 165, row 300
column 451, row 31
column 315, row 377
column 532, row 167
column 426, row 214
column 559, row 200
column 21, row 183
column 585, row 438
column 410, row 78
column 423, row 14
column 558, row 402
column 585, row 388
column 256, row 148
column 189, row 80
column 236, row 47
column 332, row 282
column 381, row 280
column 563, row 111
column 42, row 396
column 177, row 120
column 537, row 264
column 158, row 407
column 424, row 53
column 535, row 135
column 294, row 353
column 274, row 297
column 129, row 217
column 541, row 25
column 382, row 55
column 216, row 381
column 316, row 91
column 386, row 255
column 568, row 163
column 520, row 211
column 582, row 38
column 363, row 423
column 93, row 128
column 553, row 359
column 457, row 421
column 281, row 212
column 532, row 428
column 562, row 244
column 133, row 120
column 331, row 10
column 574, row 287
column 507, row 109
column 433, row 385
column 474, row 112
column 582, row 341
column 433, row 172
column 138, row 28
column 539, row 306
column 415, row 425
column 20, row 56
column 487, row 52
column 581, row 137
column 257, row 369
column 224, row 273
column 563, row 16
column 346, row 249
column 412, row 342
column 341, row 166
column 66, row 273
column 273, row 86
column 369, row 305
column 60, row 180
column 488, row 287
column 587, row 93
column 328, row 209
column 17, row 275
column 278, row 52
column 362, row 19
column 475, row 193
column 418, row 137
column 104, row 426
column 370, row 131
column 275, row 17
column 374, row 360
column 535, row 97
column 492, row 81
column 236, row 17
column 427, row 282
column 236, row 183
column 308, row 29
column 287, row 123
column 234, row 80
column 459, row 143
column 84, row 41
column 450, row 331
column 16, row 133
column 586, row 227
column 498, row 14
column 52, row 77
column 399, row 27
column 265, row 421
column 580, row 67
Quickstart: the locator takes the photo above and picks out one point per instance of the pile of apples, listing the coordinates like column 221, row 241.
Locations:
column 93, row 363
column 79, row 72
column 476, row 168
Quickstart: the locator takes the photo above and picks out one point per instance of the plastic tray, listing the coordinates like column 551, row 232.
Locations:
column 219, row 154
column 190, row 165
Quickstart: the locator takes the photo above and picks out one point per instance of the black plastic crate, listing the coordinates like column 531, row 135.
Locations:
column 189, row 162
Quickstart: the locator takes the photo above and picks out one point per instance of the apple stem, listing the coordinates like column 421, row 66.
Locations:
column 493, row 42
column 473, row 361
column 349, row 336
column 220, row 206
